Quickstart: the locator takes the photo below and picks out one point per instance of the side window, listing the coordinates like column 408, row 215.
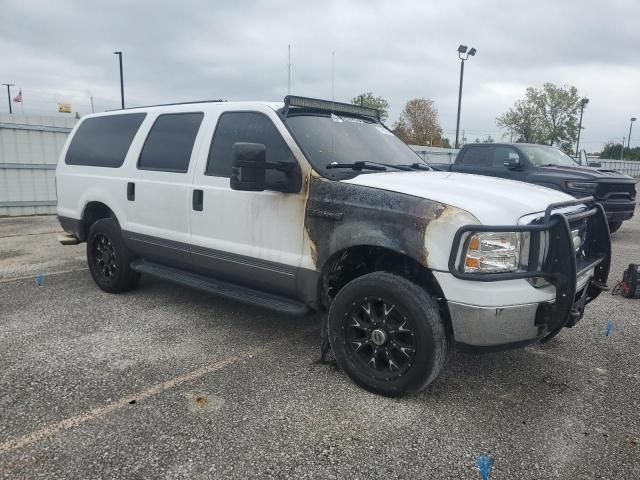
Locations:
column 104, row 141
column 477, row 156
column 502, row 155
column 170, row 142
column 246, row 127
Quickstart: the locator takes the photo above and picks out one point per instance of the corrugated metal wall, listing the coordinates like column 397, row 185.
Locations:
column 29, row 149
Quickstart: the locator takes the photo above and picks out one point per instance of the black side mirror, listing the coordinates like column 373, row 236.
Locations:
column 248, row 167
column 513, row 162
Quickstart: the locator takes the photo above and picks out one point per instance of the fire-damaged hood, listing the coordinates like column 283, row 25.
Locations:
column 493, row 201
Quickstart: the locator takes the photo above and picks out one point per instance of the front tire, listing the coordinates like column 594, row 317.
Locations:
column 387, row 335
column 614, row 226
column 109, row 259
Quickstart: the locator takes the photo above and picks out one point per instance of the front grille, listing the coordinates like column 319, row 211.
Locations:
column 616, row 191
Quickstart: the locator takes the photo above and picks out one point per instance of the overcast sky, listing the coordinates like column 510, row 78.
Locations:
column 61, row 51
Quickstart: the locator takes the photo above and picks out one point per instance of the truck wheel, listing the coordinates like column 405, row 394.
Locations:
column 109, row 259
column 387, row 335
column 614, row 226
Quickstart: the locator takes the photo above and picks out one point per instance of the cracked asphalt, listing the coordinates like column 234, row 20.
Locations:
column 167, row 382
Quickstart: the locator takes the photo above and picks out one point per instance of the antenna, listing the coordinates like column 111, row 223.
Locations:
column 289, row 77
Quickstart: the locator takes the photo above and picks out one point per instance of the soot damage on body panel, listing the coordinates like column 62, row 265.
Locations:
column 340, row 215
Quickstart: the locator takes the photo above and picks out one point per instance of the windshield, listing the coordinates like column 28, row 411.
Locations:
column 327, row 139
column 543, row 155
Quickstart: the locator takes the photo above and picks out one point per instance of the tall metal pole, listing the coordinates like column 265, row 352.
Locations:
column 622, row 149
column 289, row 72
column 629, row 137
column 579, row 130
column 121, row 78
column 459, row 99
column 9, row 85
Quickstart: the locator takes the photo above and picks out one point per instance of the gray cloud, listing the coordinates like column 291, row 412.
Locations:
column 62, row 51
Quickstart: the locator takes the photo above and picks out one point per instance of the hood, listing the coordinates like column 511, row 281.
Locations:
column 493, row 201
column 582, row 173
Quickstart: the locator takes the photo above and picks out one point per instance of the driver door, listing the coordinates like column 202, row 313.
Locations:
column 250, row 238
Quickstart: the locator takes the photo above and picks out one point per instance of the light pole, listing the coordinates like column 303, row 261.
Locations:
column 633, row 119
column 9, row 85
column 583, row 102
column 121, row 78
column 463, row 55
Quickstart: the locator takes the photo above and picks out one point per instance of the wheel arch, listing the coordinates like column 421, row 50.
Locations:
column 91, row 213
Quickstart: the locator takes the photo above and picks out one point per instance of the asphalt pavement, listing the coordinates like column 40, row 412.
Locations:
column 167, row 382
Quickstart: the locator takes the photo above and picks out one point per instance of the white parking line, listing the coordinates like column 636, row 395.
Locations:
column 107, row 408
column 46, row 274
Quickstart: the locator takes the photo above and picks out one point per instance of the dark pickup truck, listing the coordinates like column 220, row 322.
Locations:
column 549, row 167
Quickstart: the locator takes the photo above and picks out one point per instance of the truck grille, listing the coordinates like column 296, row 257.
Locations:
column 616, row 191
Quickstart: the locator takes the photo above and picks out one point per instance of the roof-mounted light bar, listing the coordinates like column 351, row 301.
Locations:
column 329, row 106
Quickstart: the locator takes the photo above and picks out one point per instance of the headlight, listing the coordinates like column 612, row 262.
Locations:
column 582, row 186
column 492, row 252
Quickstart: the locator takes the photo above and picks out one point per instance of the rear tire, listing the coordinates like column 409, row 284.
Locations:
column 387, row 335
column 109, row 259
column 614, row 226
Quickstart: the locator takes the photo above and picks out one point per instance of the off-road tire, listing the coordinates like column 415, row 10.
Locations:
column 413, row 309
column 109, row 259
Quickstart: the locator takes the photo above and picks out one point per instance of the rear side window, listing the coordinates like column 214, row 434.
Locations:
column 170, row 142
column 104, row 141
column 250, row 127
column 477, row 156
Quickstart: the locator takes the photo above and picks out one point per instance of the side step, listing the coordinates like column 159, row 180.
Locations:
column 222, row 288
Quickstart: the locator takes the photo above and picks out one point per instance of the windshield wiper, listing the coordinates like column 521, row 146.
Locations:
column 417, row 166
column 358, row 166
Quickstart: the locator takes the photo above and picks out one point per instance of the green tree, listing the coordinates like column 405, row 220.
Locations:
column 369, row 100
column 418, row 123
column 546, row 115
column 612, row 151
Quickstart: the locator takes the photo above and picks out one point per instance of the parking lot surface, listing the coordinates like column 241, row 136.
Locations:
column 167, row 382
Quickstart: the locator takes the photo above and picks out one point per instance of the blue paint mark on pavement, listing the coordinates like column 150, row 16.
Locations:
column 608, row 328
column 484, row 464
column 39, row 279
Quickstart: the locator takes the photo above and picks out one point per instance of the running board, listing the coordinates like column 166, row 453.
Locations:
column 222, row 288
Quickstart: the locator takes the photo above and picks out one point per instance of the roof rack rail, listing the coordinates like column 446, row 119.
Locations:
column 329, row 106
column 169, row 104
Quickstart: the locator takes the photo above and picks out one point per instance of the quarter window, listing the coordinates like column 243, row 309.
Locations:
column 170, row 142
column 250, row 127
column 104, row 141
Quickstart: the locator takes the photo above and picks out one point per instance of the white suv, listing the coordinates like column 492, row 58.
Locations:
column 310, row 205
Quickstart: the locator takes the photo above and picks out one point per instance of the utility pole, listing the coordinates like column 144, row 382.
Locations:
column 9, row 85
column 583, row 102
column 121, row 78
column 92, row 109
column 633, row 119
column 289, row 72
column 622, row 148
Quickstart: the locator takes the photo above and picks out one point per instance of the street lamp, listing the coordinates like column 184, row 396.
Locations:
column 633, row 119
column 121, row 78
column 9, row 85
column 463, row 55
column 583, row 102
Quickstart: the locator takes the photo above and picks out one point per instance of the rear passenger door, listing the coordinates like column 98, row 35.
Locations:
column 476, row 159
column 251, row 238
column 158, row 193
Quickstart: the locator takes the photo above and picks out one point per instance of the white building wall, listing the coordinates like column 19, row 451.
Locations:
column 29, row 150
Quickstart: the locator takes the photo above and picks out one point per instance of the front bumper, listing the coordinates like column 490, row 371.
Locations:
column 617, row 211
column 506, row 310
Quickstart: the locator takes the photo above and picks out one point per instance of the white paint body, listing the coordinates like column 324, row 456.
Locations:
column 270, row 225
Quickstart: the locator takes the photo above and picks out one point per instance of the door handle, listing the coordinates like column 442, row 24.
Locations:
column 131, row 191
column 198, row 200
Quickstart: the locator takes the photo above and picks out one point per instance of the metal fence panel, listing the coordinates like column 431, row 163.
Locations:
column 29, row 150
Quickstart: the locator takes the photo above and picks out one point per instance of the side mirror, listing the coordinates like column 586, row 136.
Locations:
column 248, row 168
column 513, row 162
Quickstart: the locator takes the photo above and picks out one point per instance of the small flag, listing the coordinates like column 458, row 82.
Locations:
column 40, row 279
column 608, row 328
column 484, row 464
column 18, row 98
